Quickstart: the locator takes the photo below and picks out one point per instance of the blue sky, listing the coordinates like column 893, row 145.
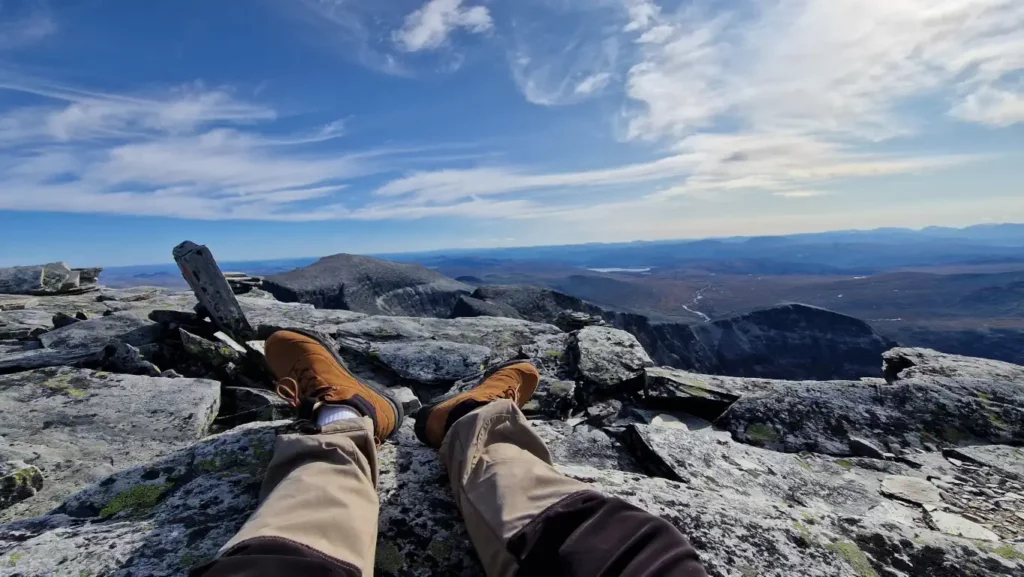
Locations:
column 277, row 128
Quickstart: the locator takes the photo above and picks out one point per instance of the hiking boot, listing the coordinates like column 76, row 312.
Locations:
column 514, row 380
column 311, row 374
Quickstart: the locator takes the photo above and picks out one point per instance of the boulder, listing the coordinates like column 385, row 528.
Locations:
column 35, row 280
column 607, row 357
column 61, row 320
column 120, row 357
column 368, row 285
column 865, row 448
column 78, row 426
column 18, row 481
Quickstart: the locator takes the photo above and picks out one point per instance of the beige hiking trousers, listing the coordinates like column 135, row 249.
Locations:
column 320, row 490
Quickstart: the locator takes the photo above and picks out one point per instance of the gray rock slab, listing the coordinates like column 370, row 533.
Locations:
column 23, row 324
column 715, row 463
column 607, row 357
column 956, row 525
column 911, row 489
column 497, row 334
column 432, row 362
column 17, row 302
column 79, row 425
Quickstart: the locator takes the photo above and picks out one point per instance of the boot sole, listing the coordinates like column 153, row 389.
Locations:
column 420, row 426
column 383, row 392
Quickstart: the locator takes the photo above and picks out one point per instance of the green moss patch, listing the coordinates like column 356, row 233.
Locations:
column 136, row 500
column 856, row 558
column 761, row 433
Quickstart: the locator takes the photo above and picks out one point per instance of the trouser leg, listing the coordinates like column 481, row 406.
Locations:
column 526, row 518
column 318, row 510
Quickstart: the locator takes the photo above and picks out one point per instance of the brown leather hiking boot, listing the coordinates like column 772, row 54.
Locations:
column 311, row 374
column 514, row 380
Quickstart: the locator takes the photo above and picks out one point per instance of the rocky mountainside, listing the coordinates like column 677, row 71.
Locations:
column 134, row 440
column 787, row 341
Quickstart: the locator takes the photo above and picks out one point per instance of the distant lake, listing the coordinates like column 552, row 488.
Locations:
column 648, row 269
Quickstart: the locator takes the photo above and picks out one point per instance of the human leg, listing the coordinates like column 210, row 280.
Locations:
column 318, row 503
column 522, row 515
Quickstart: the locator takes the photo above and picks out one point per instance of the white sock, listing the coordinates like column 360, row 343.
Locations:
column 329, row 413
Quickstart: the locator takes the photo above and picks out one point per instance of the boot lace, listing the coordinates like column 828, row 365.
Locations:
column 306, row 385
column 511, row 393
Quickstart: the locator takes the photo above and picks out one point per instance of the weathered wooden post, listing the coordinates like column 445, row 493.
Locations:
column 200, row 270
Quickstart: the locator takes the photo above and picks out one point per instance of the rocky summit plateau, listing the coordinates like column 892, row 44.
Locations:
column 134, row 435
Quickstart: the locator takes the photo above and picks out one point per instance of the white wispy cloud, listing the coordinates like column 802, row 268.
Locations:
column 593, row 83
column 429, row 26
column 832, row 67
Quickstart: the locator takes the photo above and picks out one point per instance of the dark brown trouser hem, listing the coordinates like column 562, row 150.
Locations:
column 590, row 535
column 274, row 557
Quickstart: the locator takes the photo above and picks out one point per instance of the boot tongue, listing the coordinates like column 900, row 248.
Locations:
column 307, row 406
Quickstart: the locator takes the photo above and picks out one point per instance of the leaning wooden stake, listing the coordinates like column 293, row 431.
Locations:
column 200, row 270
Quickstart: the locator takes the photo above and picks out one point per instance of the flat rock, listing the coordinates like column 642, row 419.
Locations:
column 23, row 324
column 956, row 525
column 368, row 285
column 607, row 357
column 911, row 489
column 17, row 302
column 78, row 425
column 432, row 362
